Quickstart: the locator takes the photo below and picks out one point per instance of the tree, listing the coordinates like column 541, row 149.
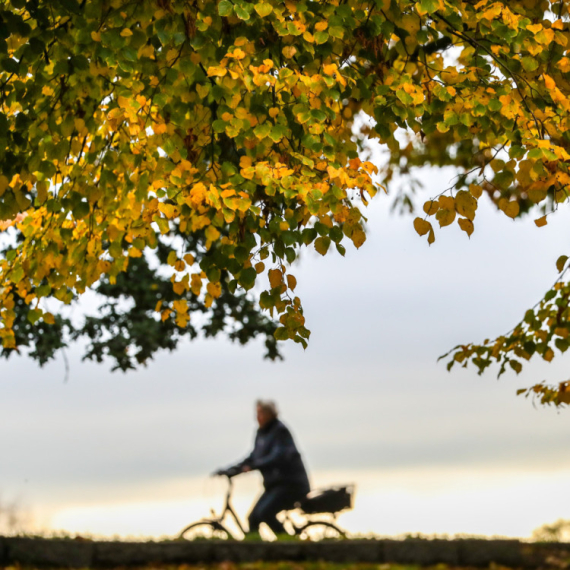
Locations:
column 234, row 132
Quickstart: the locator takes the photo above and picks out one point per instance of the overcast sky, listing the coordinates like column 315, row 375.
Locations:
column 431, row 451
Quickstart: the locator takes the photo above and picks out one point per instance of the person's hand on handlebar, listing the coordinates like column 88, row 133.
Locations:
column 232, row 472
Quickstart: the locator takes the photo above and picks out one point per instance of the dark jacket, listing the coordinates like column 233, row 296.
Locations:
column 276, row 456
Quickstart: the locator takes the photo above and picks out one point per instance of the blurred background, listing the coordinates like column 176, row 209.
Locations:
column 431, row 452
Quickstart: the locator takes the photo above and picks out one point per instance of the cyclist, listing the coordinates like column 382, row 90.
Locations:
column 276, row 456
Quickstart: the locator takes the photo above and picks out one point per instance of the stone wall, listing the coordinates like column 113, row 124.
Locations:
column 65, row 553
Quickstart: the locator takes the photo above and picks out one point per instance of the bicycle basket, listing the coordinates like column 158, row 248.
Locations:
column 332, row 500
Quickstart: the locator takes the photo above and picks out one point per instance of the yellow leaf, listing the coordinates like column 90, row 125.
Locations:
column 465, row 205
column 431, row 207
column 322, row 244
column 159, row 128
column 217, row 71
column 512, row 209
column 561, row 262
column 321, row 26
column 96, row 36
column 48, row 318
column 259, row 267
column 446, row 203
column 422, row 226
column 291, row 282
column 171, row 259
column 214, row 289
column 358, row 237
column 540, row 222
column 329, row 69
column 212, row 234
column 273, row 112
column 126, row 33
column 189, row 258
column 445, row 217
column 275, row 278
column 466, row 225
column 289, row 51
column 549, row 82
column 475, row 190
column 548, row 355
column 263, row 9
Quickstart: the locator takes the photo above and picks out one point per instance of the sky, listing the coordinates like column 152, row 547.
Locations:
column 431, row 452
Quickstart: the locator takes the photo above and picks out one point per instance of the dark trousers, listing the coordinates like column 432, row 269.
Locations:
column 272, row 502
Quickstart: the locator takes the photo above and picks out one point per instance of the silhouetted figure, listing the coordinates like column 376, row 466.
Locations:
column 277, row 458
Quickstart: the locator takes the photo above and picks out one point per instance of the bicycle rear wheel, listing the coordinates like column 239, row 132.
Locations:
column 320, row 530
column 205, row 530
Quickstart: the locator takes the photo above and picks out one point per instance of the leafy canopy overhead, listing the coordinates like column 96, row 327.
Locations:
column 228, row 135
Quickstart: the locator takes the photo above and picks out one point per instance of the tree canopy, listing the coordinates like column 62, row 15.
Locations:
column 172, row 154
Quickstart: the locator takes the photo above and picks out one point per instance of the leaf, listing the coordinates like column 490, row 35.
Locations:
column 529, row 63
column 321, row 37
column 465, row 205
column 322, row 244
column 241, row 12
column 358, row 237
column 445, row 217
column 281, row 333
column 34, row 315
column 561, row 263
column 422, row 226
column 225, row 8
column 289, row 51
column 431, row 207
column 512, row 209
column 540, row 222
column 263, row 9
column 275, row 278
column 466, row 225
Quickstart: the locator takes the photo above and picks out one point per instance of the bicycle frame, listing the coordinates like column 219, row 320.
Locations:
column 229, row 509
column 216, row 522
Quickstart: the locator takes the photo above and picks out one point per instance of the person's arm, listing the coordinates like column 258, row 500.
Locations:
column 283, row 448
column 237, row 468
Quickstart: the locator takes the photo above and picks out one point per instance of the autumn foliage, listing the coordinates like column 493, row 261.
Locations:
column 238, row 131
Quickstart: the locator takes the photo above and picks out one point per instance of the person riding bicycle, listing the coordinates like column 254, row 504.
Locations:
column 276, row 456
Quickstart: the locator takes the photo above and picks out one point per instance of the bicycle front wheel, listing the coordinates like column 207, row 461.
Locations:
column 320, row 530
column 205, row 530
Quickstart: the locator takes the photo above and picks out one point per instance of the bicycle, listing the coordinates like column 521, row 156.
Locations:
column 329, row 501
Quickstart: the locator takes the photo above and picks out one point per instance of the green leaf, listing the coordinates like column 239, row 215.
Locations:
column 561, row 262
column 321, row 37
column 429, row 6
column 34, row 315
column 495, row 105
column 225, row 8
column 263, row 9
column 247, row 278
column 281, row 333
column 529, row 63
column 16, row 275
column 322, row 245
column 277, row 133
column 241, row 12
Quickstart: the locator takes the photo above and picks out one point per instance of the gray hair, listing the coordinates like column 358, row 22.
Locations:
column 268, row 406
